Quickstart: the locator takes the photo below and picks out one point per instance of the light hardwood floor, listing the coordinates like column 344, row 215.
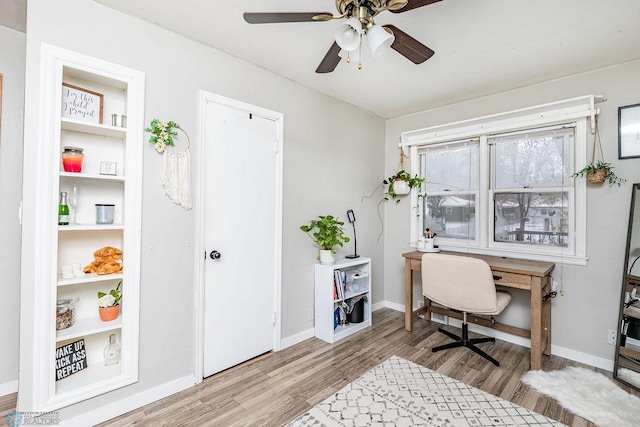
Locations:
column 273, row 389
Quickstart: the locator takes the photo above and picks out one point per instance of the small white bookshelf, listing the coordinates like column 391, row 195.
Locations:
column 328, row 299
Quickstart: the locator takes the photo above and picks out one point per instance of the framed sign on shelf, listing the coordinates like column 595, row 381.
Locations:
column 81, row 104
column 629, row 131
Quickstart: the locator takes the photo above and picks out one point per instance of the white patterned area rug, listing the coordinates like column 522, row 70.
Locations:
column 399, row 393
column 588, row 394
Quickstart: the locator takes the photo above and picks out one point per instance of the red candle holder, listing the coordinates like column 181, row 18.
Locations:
column 72, row 159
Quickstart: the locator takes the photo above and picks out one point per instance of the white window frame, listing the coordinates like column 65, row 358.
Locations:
column 476, row 194
column 575, row 111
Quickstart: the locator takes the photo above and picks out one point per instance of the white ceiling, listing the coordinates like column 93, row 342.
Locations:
column 482, row 46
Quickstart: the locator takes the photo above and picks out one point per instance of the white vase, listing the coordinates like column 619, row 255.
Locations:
column 326, row 257
column 400, row 187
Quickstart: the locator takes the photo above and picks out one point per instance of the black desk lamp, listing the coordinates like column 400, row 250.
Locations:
column 352, row 219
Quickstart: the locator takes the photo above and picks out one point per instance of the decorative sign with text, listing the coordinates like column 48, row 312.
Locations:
column 81, row 104
column 70, row 358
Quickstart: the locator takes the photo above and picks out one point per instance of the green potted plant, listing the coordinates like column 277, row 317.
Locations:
column 400, row 184
column 109, row 304
column 599, row 173
column 327, row 233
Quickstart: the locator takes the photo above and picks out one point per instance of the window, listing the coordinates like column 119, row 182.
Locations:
column 451, row 184
column 531, row 187
column 504, row 186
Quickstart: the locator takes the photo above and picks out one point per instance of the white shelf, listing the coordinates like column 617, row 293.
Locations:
column 349, row 295
column 51, row 245
column 88, row 326
column 92, row 128
column 90, row 278
column 325, row 304
column 346, row 330
column 91, row 176
column 92, row 374
column 90, row 227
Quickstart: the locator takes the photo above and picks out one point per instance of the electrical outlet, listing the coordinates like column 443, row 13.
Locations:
column 310, row 314
column 611, row 336
column 554, row 286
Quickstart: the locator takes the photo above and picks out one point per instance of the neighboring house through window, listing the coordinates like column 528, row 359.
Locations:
column 502, row 184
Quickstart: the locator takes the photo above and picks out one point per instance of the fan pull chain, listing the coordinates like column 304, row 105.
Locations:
column 360, row 54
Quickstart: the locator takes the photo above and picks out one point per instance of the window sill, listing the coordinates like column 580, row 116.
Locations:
column 555, row 258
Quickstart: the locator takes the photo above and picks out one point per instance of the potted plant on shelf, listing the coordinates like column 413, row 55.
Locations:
column 327, row 233
column 400, row 184
column 599, row 173
column 109, row 304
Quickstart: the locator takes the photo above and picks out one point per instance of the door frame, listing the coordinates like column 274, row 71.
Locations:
column 205, row 97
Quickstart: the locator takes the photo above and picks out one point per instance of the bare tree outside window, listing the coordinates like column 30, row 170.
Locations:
column 529, row 187
column 531, row 174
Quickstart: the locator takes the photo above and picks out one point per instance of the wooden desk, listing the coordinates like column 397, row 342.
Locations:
column 532, row 276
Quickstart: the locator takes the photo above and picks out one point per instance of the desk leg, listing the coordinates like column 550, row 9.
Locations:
column 408, row 296
column 536, row 323
column 546, row 318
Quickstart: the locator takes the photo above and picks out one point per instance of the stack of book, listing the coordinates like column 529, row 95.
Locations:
column 340, row 283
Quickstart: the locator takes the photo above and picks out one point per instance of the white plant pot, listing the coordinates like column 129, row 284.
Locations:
column 326, row 257
column 401, row 187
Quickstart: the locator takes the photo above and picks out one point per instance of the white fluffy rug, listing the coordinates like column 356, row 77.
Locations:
column 589, row 395
column 399, row 393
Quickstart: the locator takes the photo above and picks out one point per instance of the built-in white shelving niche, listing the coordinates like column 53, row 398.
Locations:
column 47, row 246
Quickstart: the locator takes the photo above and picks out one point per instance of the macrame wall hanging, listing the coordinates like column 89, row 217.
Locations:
column 176, row 167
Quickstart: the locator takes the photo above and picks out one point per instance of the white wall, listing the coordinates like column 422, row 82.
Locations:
column 331, row 157
column 591, row 298
column 12, row 46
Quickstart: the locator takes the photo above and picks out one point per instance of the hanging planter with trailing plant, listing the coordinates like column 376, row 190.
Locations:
column 597, row 172
column 400, row 183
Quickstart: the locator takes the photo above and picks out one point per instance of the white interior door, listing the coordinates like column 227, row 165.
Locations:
column 240, row 226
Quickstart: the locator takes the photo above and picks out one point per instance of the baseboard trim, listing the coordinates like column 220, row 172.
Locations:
column 378, row 306
column 297, row 338
column 129, row 403
column 577, row 356
column 8, row 388
column 567, row 353
column 394, row 306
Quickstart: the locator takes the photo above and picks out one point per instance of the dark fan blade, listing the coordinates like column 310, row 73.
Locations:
column 330, row 60
column 414, row 4
column 409, row 47
column 272, row 18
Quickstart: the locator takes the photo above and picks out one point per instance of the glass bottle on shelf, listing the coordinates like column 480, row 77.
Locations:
column 112, row 352
column 63, row 210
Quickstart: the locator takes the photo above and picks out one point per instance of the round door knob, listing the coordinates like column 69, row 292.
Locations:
column 215, row 255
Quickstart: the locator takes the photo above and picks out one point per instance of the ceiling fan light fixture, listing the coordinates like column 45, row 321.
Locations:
column 348, row 34
column 380, row 40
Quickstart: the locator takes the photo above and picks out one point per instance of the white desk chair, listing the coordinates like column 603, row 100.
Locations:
column 465, row 284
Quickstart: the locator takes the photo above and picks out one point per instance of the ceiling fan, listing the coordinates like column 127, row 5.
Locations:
column 359, row 22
